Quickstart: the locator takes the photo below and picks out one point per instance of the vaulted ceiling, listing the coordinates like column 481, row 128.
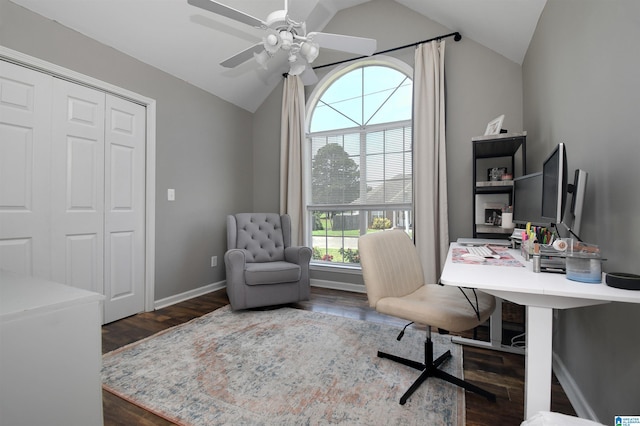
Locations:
column 189, row 43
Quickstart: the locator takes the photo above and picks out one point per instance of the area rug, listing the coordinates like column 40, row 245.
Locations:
column 283, row 367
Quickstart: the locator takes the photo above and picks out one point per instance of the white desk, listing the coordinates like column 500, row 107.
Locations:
column 540, row 293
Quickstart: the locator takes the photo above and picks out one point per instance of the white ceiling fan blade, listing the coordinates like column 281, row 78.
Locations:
column 242, row 57
column 345, row 43
column 229, row 12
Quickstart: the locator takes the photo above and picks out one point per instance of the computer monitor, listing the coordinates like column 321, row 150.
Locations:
column 527, row 194
column 577, row 191
column 554, row 185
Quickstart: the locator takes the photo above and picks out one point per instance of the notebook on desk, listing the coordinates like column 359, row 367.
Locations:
column 483, row 242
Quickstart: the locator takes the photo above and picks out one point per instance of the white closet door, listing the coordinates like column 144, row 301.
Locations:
column 124, row 208
column 25, row 128
column 72, row 187
column 78, row 186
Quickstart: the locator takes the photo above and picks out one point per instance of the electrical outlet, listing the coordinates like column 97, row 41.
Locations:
column 214, row 261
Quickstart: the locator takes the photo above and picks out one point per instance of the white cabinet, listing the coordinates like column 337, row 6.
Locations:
column 50, row 353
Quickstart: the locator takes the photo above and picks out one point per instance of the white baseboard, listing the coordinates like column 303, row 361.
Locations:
column 200, row 291
column 336, row 285
column 577, row 399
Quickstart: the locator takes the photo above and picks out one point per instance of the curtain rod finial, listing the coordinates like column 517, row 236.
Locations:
column 457, row 37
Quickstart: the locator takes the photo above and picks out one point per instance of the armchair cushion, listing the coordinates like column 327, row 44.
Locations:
column 271, row 273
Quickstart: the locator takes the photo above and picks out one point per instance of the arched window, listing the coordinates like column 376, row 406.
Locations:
column 359, row 156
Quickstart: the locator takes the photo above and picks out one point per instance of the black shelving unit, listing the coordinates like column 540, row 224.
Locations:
column 503, row 150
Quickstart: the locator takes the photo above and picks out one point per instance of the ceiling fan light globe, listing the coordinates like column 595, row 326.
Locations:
column 309, row 51
column 296, row 69
column 262, row 58
column 271, row 40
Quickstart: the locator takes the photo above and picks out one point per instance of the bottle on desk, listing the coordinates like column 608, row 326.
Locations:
column 536, row 258
column 524, row 246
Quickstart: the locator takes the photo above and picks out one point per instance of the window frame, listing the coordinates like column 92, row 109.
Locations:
column 312, row 102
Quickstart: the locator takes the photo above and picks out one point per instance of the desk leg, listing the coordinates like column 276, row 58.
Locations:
column 495, row 335
column 537, row 392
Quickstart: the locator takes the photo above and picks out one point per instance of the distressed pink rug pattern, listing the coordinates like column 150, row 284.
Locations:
column 283, row 366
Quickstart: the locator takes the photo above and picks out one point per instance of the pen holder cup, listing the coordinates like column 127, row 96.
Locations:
column 526, row 249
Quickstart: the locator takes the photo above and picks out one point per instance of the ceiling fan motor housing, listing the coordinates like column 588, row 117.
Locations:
column 277, row 20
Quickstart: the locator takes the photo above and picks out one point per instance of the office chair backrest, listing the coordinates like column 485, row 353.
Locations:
column 390, row 265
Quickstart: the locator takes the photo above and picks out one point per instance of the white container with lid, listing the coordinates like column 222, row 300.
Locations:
column 584, row 267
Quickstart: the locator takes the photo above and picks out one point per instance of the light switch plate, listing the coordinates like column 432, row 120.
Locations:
column 171, row 194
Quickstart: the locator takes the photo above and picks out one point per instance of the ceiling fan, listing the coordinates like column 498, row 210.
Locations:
column 283, row 34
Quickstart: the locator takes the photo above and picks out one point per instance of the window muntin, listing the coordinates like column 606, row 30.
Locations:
column 362, row 97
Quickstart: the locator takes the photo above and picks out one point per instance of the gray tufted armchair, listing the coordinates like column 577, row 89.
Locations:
column 262, row 267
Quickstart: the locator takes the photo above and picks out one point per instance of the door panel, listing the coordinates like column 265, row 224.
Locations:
column 16, row 255
column 78, row 186
column 122, row 270
column 81, row 254
column 122, row 179
column 83, row 169
column 25, row 127
column 125, row 208
column 16, row 151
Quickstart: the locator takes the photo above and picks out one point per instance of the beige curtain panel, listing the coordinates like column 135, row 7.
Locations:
column 431, row 226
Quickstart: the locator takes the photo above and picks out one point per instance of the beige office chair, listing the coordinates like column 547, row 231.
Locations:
column 395, row 286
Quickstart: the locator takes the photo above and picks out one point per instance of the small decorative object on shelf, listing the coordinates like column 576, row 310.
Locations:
column 507, row 217
column 494, row 126
column 496, row 173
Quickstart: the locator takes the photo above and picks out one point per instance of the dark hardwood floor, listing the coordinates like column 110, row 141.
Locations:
column 499, row 372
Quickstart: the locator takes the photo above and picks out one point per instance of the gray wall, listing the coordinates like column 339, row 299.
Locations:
column 481, row 85
column 581, row 87
column 201, row 146
column 266, row 153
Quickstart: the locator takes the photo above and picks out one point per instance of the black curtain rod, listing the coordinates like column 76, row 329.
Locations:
column 456, row 37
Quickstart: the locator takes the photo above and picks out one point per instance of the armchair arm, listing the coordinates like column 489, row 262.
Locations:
column 299, row 255
column 234, row 261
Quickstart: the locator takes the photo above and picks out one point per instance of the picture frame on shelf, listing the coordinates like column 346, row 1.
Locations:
column 493, row 213
column 493, row 217
column 494, row 126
